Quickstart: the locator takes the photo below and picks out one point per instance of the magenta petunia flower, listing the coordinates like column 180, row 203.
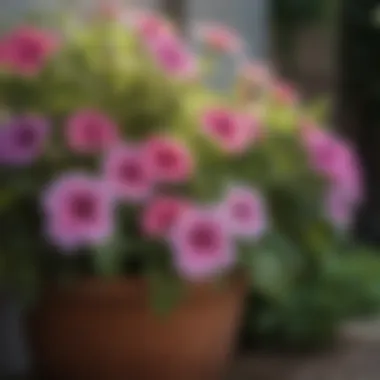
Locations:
column 219, row 38
column 27, row 49
column 202, row 245
column 169, row 159
column 128, row 173
column 172, row 55
column 3, row 54
column 245, row 212
column 22, row 140
column 161, row 214
column 78, row 210
column 233, row 132
column 90, row 131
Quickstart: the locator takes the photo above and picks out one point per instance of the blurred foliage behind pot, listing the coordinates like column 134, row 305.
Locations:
column 307, row 316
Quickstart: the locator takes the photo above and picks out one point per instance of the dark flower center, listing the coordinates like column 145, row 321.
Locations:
column 204, row 238
column 30, row 50
column 224, row 126
column 131, row 172
column 26, row 136
column 166, row 158
column 83, row 206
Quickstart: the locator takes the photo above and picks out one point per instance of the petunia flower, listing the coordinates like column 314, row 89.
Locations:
column 245, row 212
column 339, row 208
column 202, row 246
column 128, row 173
column 169, row 159
column 332, row 157
column 173, row 57
column 90, row 131
column 234, row 132
column 3, row 55
column 285, row 94
column 27, row 49
column 256, row 74
column 219, row 38
column 78, row 211
column 23, row 139
column 148, row 25
column 348, row 175
column 161, row 214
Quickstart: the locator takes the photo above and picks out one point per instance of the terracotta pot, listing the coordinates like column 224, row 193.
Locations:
column 107, row 330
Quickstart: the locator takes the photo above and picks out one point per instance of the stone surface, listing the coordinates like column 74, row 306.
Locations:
column 356, row 357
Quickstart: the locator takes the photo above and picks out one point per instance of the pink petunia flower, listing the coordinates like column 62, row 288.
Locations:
column 161, row 214
column 3, row 54
column 233, row 132
column 339, row 208
column 323, row 150
column 23, row 140
column 245, row 212
column 27, row 49
column 256, row 74
column 89, row 131
column 128, row 173
column 333, row 158
column 310, row 132
column 202, row 245
column 285, row 94
column 169, row 159
column 149, row 25
column 219, row 38
column 78, row 210
column 172, row 56
column 347, row 177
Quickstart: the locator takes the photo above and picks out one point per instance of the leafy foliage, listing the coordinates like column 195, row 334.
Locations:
column 103, row 64
column 306, row 316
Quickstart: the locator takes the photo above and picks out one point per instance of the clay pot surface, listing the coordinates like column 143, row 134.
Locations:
column 107, row 330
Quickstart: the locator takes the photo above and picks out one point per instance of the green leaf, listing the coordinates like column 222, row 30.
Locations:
column 269, row 274
column 108, row 258
column 282, row 119
column 274, row 266
column 166, row 291
column 106, row 262
column 6, row 199
column 358, row 275
column 319, row 109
